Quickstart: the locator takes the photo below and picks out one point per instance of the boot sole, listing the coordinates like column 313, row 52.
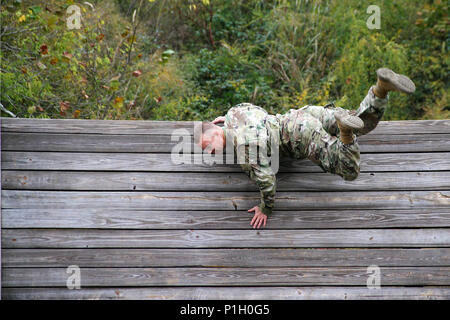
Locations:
column 349, row 121
column 399, row 81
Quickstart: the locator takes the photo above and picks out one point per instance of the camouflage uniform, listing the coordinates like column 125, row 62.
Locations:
column 310, row 132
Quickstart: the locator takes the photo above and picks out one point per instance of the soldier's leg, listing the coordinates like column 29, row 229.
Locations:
column 371, row 110
column 325, row 115
column 328, row 151
column 374, row 104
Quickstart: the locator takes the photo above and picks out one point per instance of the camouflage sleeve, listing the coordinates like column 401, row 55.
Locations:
column 229, row 118
column 262, row 174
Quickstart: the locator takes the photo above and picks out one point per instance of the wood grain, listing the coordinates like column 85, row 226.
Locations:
column 199, row 181
column 163, row 144
column 311, row 238
column 107, row 196
column 224, row 200
column 233, row 293
column 166, row 127
column 156, row 162
column 248, row 258
column 301, row 276
column 106, row 218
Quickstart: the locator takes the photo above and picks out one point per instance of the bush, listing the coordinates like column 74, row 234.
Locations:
column 98, row 71
column 192, row 60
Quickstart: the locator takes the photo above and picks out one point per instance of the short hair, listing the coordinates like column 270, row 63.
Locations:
column 200, row 129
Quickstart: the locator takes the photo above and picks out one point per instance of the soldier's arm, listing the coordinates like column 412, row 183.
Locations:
column 219, row 120
column 266, row 181
column 264, row 177
column 228, row 118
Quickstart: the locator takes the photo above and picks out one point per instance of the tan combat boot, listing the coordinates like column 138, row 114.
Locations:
column 347, row 123
column 388, row 80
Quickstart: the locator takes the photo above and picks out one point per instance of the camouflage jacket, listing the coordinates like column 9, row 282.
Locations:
column 254, row 134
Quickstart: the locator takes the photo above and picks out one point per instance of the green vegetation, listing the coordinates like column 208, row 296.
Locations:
column 194, row 59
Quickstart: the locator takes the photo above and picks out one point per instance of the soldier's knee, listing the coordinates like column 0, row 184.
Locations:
column 350, row 167
column 309, row 121
column 351, row 175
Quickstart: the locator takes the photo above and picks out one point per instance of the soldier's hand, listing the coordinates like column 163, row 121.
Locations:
column 258, row 219
column 218, row 120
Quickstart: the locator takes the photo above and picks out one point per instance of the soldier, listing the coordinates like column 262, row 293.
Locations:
column 325, row 135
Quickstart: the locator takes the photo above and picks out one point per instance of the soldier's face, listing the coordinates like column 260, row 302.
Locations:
column 213, row 140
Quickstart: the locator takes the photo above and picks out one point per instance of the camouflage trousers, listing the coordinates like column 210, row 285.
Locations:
column 320, row 140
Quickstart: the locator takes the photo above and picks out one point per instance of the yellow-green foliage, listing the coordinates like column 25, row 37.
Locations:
column 98, row 71
column 192, row 60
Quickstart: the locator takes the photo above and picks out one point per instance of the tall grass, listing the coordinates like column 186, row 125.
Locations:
column 195, row 59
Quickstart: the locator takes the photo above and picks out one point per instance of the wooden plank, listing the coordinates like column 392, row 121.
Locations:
column 233, row 293
column 321, row 257
column 224, row 200
column 87, row 142
column 412, row 127
column 142, row 277
column 166, row 127
column 187, row 181
column 130, row 162
column 405, row 143
column 126, row 127
column 163, row 143
column 314, row 238
column 105, row 218
column 392, row 211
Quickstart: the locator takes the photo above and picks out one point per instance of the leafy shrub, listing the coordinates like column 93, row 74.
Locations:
column 191, row 60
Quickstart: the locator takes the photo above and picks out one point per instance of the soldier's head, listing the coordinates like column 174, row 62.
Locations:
column 209, row 137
